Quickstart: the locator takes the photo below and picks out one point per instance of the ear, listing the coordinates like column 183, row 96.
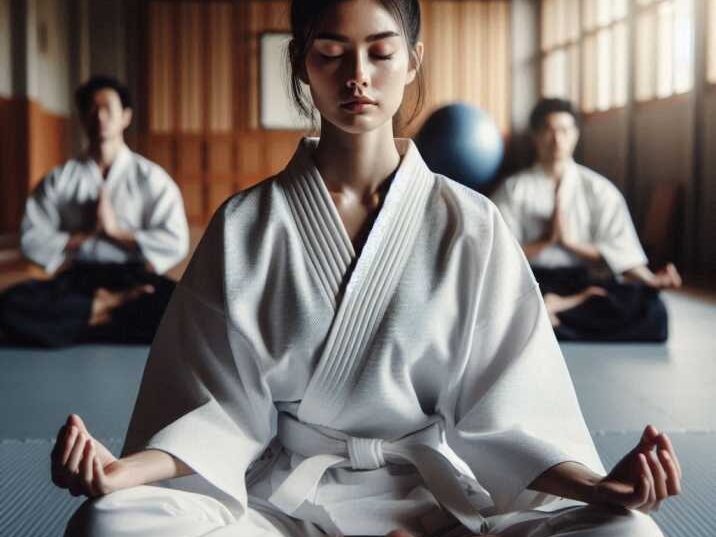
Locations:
column 126, row 117
column 416, row 62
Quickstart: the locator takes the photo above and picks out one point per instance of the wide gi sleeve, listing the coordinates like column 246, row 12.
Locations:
column 164, row 237
column 614, row 234
column 514, row 412
column 203, row 397
column 42, row 240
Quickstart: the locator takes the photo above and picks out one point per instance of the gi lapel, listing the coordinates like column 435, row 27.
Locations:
column 328, row 247
column 370, row 286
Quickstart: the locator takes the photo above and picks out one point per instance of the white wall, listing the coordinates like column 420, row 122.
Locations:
column 48, row 54
column 5, row 50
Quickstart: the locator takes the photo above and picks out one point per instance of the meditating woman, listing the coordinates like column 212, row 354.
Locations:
column 358, row 347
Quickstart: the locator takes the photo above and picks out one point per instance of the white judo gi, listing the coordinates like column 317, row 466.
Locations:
column 593, row 209
column 145, row 199
column 315, row 393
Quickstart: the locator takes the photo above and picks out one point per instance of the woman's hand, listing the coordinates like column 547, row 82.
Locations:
column 82, row 464
column 86, row 467
column 646, row 476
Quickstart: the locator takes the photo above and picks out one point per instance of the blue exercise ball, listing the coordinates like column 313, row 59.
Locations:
column 462, row 142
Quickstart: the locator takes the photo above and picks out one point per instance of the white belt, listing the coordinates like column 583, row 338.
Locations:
column 444, row 473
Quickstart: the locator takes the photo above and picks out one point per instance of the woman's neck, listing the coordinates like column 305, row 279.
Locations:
column 357, row 163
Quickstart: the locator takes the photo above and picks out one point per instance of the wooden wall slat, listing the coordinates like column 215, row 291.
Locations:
column 220, row 98
column 161, row 67
column 190, row 61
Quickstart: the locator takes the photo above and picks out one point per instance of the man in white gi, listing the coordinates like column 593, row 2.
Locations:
column 107, row 224
column 575, row 229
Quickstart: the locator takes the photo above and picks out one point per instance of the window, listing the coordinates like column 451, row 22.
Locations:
column 560, row 48
column 711, row 42
column 585, row 48
column 664, row 48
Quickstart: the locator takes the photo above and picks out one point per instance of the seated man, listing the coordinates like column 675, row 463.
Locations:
column 575, row 229
column 108, row 223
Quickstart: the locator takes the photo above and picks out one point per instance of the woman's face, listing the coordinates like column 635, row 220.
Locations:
column 358, row 66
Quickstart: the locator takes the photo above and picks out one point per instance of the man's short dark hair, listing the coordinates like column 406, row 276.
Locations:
column 546, row 107
column 85, row 93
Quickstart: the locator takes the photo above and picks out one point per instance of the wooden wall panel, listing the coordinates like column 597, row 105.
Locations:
column 49, row 141
column 160, row 149
column 32, row 142
column 467, row 56
column 219, row 192
column 193, row 193
column 13, row 164
column 190, row 157
column 161, row 65
column 190, row 62
column 250, row 159
column 221, row 80
column 220, row 153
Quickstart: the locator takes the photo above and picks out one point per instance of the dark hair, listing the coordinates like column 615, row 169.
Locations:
column 546, row 107
column 305, row 17
column 85, row 93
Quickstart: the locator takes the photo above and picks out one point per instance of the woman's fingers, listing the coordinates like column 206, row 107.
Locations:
column 647, row 495
column 73, row 462
column 648, row 438
column 664, row 442
column 660, row 476
column 673, row 477
column 87, row 469
column 56, row 464
column 69, row 443
column 76, row 421
column 100, row 486
column 57, row 449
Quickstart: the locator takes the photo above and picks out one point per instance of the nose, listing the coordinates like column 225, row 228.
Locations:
column 358, row 74
column 102, row 115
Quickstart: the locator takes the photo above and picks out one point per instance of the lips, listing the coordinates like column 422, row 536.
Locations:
column 357, row 105
column 358, row 100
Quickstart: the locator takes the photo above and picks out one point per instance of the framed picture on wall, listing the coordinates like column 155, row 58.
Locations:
column 277, row 110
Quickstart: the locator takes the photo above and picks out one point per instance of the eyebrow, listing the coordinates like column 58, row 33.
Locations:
column 344, row 39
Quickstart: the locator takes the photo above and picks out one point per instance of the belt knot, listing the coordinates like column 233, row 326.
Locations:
column 365, row 453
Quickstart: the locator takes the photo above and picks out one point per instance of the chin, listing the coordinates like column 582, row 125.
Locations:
column 355, row 127
column 357, row 124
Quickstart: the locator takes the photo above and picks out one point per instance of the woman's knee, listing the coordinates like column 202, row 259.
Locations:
column 103, row 516
column 165, row 511
column 640, row 525
column 602, row 521
column 84, row 520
